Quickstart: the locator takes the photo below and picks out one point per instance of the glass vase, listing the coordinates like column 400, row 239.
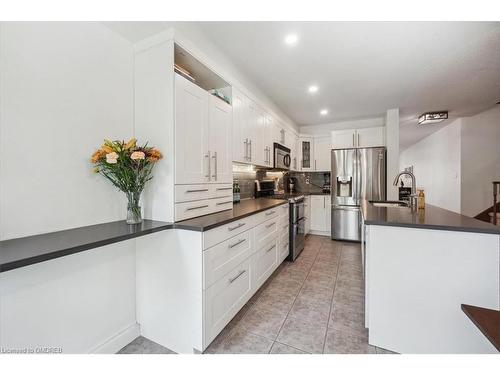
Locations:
column 133, row 209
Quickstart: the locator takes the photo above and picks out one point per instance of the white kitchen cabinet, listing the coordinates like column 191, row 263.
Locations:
column 307, row 214
column 306, row 152
column 343, row 138
column 320, row 214
column 322, row 154
column 328, row 213
column 203, row 125
column 192, row 159
column 280, row 134
column 220, row 142
column 370, row 137
column 263, row 142
column 358, row 138
column 244, row 123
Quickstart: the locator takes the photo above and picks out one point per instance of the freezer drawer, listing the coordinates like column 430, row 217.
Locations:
column 346, row 223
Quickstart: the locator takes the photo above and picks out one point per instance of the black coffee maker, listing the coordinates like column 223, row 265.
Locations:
column 292, row 184
column 326, row 183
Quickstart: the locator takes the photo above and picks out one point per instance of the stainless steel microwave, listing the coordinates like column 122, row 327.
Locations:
column 282, row 158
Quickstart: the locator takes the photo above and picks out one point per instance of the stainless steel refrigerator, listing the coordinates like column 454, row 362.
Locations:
column 357, row 175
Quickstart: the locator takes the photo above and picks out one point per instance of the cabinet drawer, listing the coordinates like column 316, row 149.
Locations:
column 266, row 215
column 188, row 193
column 221, row 204
column 188, row 210
column 224, row 232
column 222, row 190
column 265, row 231
column 284, row 209
column 283, row 249
column 225, row 298
column 283, row 221
column 223, row 257
column 264, row 263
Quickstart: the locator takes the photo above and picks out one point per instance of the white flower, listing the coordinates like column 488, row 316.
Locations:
column 137, row 155
column 111, row 158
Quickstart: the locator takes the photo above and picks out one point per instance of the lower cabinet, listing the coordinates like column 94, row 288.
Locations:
column 320, row 214
column 239, row 264
column 226, row 297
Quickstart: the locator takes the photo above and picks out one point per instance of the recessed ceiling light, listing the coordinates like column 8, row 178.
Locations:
column 323, row 112
column 291, row 39
column 312, row 89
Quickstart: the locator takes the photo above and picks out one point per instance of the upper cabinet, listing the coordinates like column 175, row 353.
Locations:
column 244, row 123
column 280, row 134
column 306, row 153
column 322, row 152
column 371, row 137
column 263, row 140
column 358, row 138
column 203, row 125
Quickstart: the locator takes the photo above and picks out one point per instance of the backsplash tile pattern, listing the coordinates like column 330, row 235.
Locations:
column 316, row 181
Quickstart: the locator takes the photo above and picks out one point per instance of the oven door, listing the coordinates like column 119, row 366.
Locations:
column 298, row 238
column 298, row 212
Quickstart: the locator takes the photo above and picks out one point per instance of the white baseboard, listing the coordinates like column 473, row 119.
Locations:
column 320, row 233
column 118, row 341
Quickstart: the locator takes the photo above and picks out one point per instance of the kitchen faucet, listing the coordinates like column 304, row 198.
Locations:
column 413, row 195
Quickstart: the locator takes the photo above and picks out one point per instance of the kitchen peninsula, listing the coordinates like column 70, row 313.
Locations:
column 420, row 266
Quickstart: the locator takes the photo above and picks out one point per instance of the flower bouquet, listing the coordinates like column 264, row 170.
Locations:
column 128, row 167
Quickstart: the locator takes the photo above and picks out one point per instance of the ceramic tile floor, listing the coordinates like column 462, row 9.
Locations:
column 314, row 305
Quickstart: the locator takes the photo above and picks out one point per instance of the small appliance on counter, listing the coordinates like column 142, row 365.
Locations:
column 326, row 183
column 292, row 182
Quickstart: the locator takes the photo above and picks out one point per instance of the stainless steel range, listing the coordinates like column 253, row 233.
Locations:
column 266, row 189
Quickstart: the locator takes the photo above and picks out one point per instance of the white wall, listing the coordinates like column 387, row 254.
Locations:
column 392, row 143
column 64, row 87
column 436, row 165
column 323, row 129
column 480, row 160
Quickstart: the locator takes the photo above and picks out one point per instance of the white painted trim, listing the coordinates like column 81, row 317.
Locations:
column 118, row 341
column 154, row 40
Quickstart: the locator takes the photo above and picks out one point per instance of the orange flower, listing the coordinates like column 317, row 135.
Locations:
column 130, row 144
column 107, row 149
column 154, row 155
column 96, row 156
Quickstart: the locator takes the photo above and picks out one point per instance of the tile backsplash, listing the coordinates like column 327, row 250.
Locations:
column 307, row 182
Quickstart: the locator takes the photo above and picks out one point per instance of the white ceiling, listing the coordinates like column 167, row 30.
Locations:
column 363, row 68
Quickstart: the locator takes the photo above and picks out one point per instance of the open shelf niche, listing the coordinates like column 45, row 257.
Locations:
column 200, row 74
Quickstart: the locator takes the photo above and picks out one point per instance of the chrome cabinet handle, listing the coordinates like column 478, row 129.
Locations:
column 209, row 167
column 208, row 156
column 228, row 188
column 353, row 141
column 237, row 276
column 197, row 207
column 250, row 144
column 315, row 164
column 196, row 190
column 237, row 243
column 270, row 213
column 215, row 165
column 226, row 202
column 246, row 149
column 358, row 140
column 270, row 225
column 236, row 227
column 272, row 247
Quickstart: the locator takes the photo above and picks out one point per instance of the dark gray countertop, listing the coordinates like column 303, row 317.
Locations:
column 431, row 218
column 240, row 210
column 21, row 252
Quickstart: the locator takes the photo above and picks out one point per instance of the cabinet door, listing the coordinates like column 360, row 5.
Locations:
column 318, row 220
column 240, row 125
column 307, row 214
column 306, row 148
column 344, row 138
column 370, row 137
column 220, row 146
column 322, row 154
column 261, row 155
column 191, row 133
column 268, row 136
column 251, row 131
column 328, row 213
